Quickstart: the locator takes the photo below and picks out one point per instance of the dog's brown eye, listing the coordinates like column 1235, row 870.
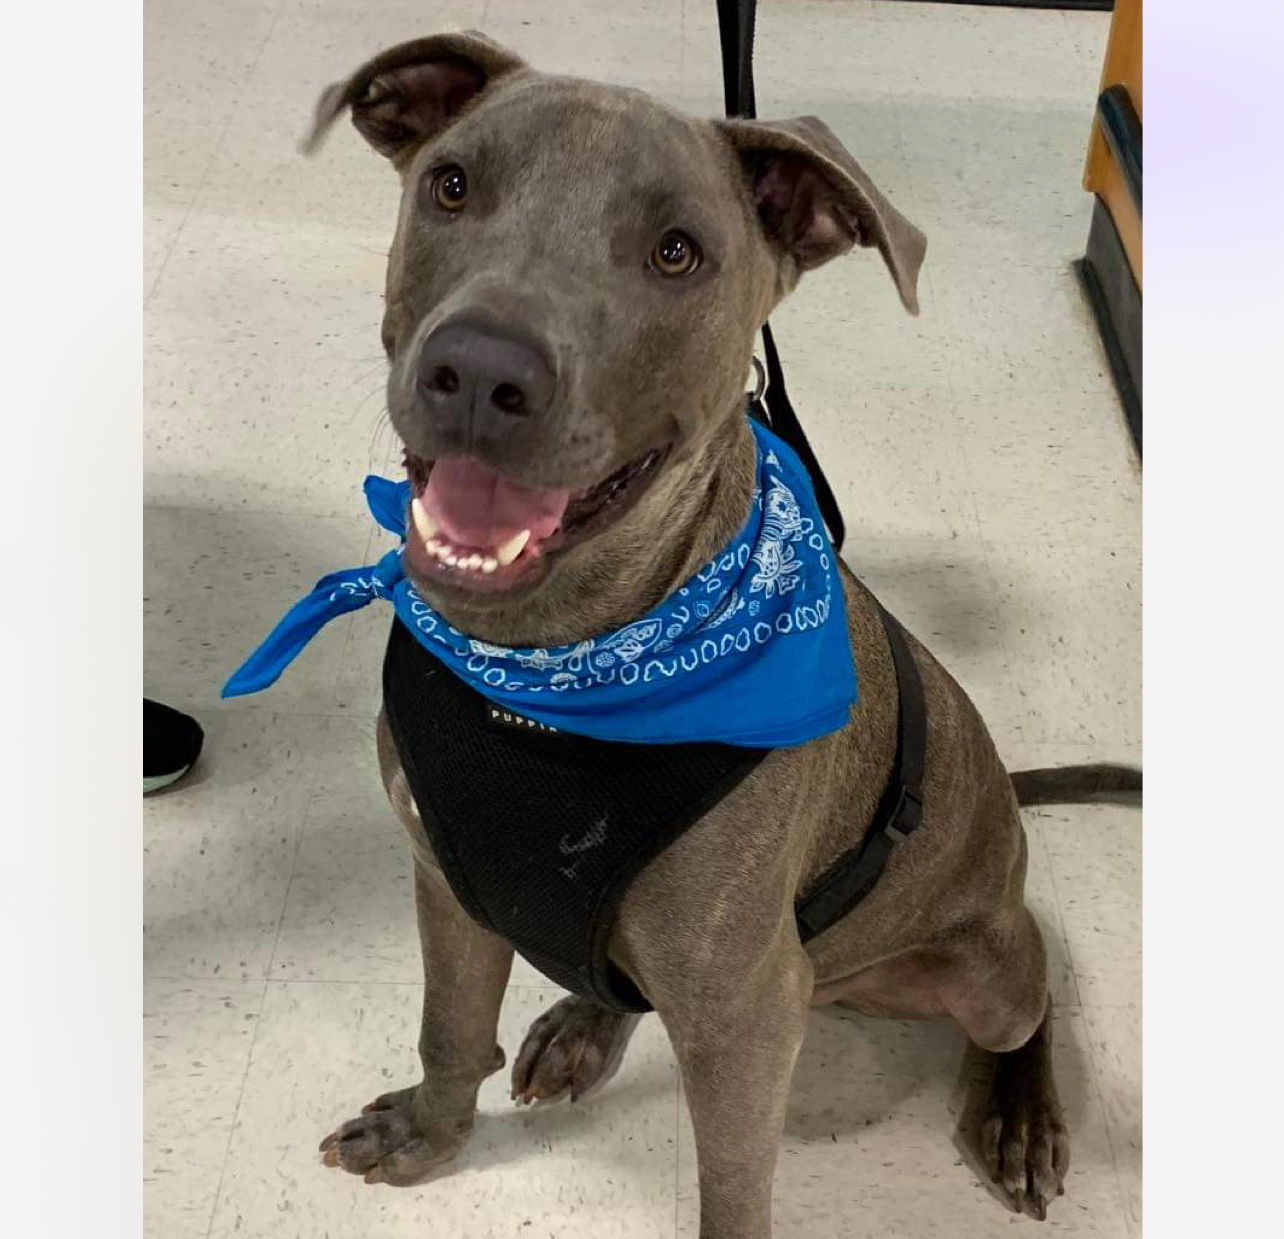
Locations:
column 450, row 188
column 676, row 254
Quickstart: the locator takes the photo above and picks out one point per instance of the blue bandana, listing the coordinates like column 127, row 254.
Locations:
column 753, row 650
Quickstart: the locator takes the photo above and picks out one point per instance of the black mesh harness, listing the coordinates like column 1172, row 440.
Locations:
column 540, row 832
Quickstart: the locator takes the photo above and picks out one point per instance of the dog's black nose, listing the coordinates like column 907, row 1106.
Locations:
column 477, row 380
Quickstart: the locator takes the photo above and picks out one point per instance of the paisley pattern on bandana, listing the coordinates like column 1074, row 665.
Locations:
column 753, row 646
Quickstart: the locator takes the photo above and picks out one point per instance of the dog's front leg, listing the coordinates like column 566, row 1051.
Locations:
column 736, row 1052
column 402, row 1137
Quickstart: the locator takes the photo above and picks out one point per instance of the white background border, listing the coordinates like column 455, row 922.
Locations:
column 70, row 512
column 70, row 632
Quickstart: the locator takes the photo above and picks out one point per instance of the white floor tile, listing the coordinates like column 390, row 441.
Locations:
column 1095, row 853
column 997, row 178
column 350, row 915
column 605, row 1167
column 969, row 54
column 251, row 401
column 195, row 57
column 163, row 218
column 219, row 847
column 1068, row 667
column 639, row 46
column 1051, row 468
column 196, row 1050
column 888, row 490
column 1114, row 1038
column 939, row 588
column 1024, row 329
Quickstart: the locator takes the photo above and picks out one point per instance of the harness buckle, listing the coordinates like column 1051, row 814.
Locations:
column 906, row 816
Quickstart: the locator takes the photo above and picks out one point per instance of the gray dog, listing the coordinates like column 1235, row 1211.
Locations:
column 573, row 292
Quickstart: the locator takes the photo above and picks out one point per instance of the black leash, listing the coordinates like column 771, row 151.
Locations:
column 735, row 30
column 900, row 811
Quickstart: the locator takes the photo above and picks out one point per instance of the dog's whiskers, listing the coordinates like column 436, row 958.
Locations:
column 381, row 447
column 370, row 364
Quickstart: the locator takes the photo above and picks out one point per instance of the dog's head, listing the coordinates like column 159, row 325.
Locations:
column 573, row 291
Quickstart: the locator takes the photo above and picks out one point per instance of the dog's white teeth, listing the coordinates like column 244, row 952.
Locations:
column 472, row 562
column 425, row 526
column 504, row 555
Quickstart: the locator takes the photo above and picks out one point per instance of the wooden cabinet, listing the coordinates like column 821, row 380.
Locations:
column 1107, row 175
column 1111, row 268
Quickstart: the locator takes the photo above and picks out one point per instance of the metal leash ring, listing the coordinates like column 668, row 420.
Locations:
column 759, row 380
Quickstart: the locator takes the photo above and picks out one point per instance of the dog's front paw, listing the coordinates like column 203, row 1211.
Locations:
column 390, row 1143
column 574, row 1047
column 1024, row 1137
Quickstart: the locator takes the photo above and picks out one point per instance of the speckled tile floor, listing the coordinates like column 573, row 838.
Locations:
column 993, row 499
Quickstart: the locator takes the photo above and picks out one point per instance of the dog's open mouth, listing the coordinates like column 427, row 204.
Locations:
column 476, row 529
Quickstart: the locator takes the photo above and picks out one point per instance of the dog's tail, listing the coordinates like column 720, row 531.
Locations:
column 1075, row 784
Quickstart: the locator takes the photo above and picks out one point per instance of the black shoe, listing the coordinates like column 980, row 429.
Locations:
column 171, row 744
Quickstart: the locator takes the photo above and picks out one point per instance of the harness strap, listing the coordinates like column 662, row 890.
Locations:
column 735, row 31
column 900, row 811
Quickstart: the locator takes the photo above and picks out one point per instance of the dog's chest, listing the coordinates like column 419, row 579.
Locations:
column 539, row 832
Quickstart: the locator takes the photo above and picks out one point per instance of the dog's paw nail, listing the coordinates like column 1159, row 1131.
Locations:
column 329, row 1142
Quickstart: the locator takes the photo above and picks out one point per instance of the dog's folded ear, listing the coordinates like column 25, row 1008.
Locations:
column 815, row 201
column 411, row 92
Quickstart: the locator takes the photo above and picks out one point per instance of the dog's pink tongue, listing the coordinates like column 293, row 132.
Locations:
column 477, row 507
